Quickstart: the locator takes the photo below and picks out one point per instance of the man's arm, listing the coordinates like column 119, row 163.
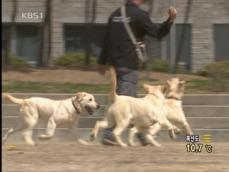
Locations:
column 155, row 30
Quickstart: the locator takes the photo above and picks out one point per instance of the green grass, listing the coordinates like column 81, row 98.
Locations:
column 53, row 87
column 207, row 86
column 194, row 86
column 197, row 86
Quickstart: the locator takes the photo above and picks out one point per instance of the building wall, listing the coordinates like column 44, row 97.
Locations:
column 204, row 13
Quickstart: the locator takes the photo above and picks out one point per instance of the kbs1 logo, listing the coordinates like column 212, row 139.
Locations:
column 32, row 15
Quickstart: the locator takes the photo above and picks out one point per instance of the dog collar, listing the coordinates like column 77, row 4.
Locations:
column 76, row 109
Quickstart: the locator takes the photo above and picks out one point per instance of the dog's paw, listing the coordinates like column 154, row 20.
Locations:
column 41, row 136
column 44, row 136
column 172, row 134
column 189, row 132
column 85, row 142
column 177, row 131
column 123, row 145
column 132, row 144
column 31, row 143
column 157, row 145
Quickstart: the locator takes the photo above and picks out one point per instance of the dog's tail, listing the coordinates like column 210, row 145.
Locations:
column 12, row 98
column 113, row 94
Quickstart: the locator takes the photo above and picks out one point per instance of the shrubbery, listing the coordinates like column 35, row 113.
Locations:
column 18, row 63
column 218, row 69
column 219, row 75
column 159, row 65
column 74, row 61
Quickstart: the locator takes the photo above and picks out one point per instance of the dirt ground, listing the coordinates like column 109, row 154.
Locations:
column 78, row 76
column 73, row 157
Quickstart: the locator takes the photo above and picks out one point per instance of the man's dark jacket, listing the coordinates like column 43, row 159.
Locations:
column 118, row 50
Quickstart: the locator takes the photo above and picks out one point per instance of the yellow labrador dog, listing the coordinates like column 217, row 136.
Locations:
column 141, row 112
column 173, row 104
column 174, row 90
column 54, row 111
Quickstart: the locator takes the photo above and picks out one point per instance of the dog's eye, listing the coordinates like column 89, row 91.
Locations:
column 90, row 100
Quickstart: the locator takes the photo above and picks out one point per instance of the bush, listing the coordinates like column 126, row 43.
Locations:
column 18, row 63
column 218, row 69
column 159, row 65
column 74, row 60
column 202, row 72
column 219, row 74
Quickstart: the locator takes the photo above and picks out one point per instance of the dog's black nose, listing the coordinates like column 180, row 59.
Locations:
column 98, row 106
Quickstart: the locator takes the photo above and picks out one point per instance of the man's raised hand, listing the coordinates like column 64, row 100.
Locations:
column 172, row 13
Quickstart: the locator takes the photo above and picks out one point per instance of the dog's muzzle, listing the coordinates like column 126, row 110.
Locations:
column 89, row 110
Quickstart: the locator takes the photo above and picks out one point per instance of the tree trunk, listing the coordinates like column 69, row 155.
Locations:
column 90, row 16
column 182, row 39
column 46, row 35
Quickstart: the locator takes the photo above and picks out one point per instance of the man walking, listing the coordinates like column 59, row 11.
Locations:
column 119, row 51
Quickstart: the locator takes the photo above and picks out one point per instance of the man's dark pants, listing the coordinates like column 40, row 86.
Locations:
column 126, row 85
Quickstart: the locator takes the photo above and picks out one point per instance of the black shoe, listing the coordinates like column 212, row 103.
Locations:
column 142, row 139
column 108, row 137
column 108, row 142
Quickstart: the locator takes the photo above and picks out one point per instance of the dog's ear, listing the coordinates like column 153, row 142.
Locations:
column 168, row 82
column 79, row 96
column 146, row 87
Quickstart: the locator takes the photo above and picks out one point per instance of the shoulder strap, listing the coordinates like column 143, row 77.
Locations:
column 127, row 26
column 137, row 44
